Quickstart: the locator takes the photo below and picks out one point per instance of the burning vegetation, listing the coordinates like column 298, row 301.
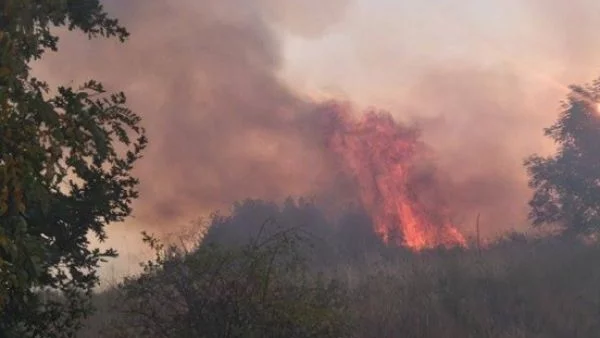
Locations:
column 383, row 157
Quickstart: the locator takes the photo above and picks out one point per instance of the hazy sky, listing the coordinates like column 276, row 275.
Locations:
column 223, row 87
column 382, row 45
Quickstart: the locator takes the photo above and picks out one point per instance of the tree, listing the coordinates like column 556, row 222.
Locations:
column 567, row 184
column 65, row 162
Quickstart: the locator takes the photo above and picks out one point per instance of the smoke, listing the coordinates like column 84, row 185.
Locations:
column 309, row 19
column 487, row 118
column 478, row 125
column 569, row 32
column 482, row 80
column 204, row 77
column 222, row 86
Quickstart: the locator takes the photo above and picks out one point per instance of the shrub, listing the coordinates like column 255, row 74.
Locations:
column 260, row 289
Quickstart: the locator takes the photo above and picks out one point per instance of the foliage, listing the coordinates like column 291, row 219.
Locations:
column 567, row 184
column 515, row 288
column 65, row 161
column 260, row 289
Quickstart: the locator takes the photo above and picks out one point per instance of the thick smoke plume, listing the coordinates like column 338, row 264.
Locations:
column 228, row 120
column 204, row 76
column 481, row 79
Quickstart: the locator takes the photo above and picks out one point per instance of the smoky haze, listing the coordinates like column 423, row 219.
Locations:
column 204, row 77
column 482, row 79
column 227, row 120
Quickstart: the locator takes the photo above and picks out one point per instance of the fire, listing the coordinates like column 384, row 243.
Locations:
column 381, row 155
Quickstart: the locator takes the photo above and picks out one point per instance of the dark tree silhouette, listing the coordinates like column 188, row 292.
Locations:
column 567, row 184
column 65, row 161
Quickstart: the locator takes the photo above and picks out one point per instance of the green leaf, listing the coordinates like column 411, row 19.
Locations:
column 44, row 220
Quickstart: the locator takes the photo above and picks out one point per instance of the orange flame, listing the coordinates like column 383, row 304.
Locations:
column 379, row 154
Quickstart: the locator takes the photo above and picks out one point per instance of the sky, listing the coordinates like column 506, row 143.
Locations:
column 226, row 87
column 381, row 45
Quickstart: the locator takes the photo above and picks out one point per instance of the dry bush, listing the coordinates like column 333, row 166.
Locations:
column 256, row 290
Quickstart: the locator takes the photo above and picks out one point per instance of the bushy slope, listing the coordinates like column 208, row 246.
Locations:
column 313, row 277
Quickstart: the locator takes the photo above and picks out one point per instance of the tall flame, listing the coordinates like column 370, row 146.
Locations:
column 380, row 155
